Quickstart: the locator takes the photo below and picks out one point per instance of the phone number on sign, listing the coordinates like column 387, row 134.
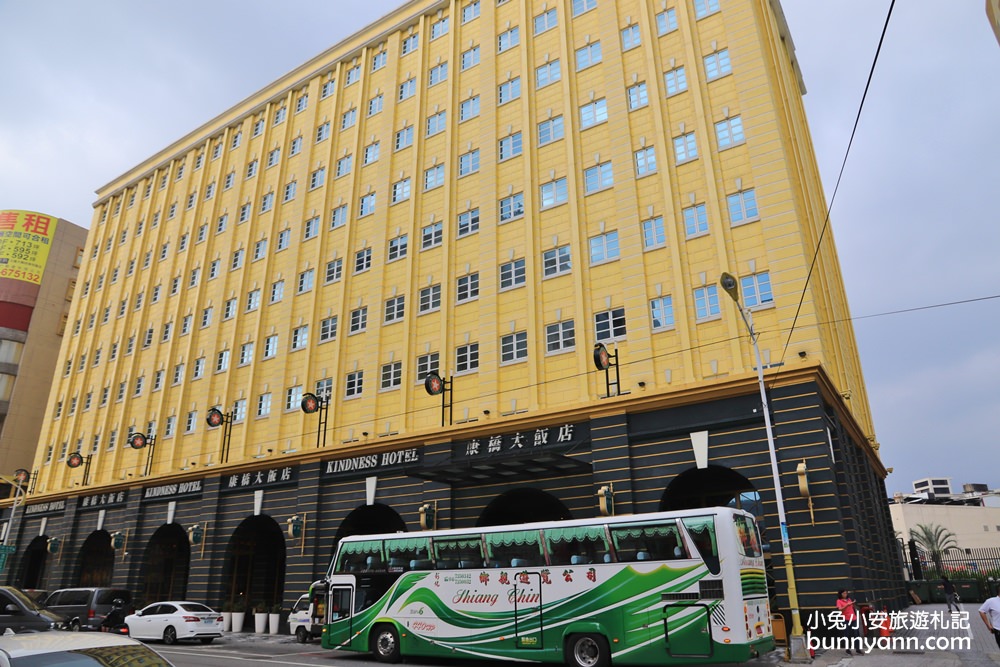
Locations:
column 18, row 273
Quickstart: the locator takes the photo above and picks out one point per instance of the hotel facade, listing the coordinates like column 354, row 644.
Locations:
column 484, row 190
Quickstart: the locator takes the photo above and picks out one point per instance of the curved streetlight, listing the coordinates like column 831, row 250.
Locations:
column 436, row 385
column 217, row 417
column 139, row 441
column 796, row 640
column 312, row 403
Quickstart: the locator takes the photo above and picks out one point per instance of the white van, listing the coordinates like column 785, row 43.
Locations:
column 308, row 615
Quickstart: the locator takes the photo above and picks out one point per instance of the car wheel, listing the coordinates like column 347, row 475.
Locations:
column 206, row 640
column 587, row 651
column 170, row 635
column 74, row 625
column 385, row 643
column 301, row 634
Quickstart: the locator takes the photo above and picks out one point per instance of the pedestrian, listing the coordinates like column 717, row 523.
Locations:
column 950, row 596
column 852, row 620
column 990, row 613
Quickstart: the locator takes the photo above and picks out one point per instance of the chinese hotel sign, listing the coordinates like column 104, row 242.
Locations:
column 259, row 479
column 525, row 443
column 25, row 239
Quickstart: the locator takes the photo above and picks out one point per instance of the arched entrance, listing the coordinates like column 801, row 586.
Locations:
column 97, row 560
column 523, row 506
column 165, row 568
column 370, row 520
column 255, row 563
column 33, row 563
column 714, row 486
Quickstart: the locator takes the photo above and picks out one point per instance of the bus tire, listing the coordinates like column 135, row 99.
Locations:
column 385, row 643
column 301, row 634
column 587, row 650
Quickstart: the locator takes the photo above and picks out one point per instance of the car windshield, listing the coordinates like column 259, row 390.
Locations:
column 104, row 656
column 195, row 607
column 24, row 599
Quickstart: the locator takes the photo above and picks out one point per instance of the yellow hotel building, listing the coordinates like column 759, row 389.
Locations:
column 484, row 189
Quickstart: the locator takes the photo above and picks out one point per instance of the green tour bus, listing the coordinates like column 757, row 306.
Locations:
column 685, row 587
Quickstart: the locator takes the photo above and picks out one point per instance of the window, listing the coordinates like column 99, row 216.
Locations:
column 168, row 330
column 258, row 127
column 467, row 287
column 290, row 189
column 468, row 163
column 338, row 216
column 328, row 329
column 653, row 234
column 588, row 55
column 296, row 146
column 334, row 270
column 229, row 309
column 410, row 44
column 598, row 178
column 139, row 381
column 467, row 358
column 675, row 80
column 392, row 374
column 362, row 260
column 300, row 337
column 508, row 39
column 267, row 202
column 375, row 104
column 547, row 73
column 645, row 161
column 666, row 21
column 359, row 319
column 277, row 291
column 253, row 300
column 695, row 220
column 270, row 346
column 317, row 178
column 408, row 89
column 400, row 191
column 742, row 206
column 397, row 247
column 546, row 21
column 284, row 239
column 556, row 261
column 550, row 130
column 206, row 317
column 581, row 6
column 395, row 309
column 371, row 152
column 661, row 311
column 717, row 64
column 630, row 37
column 436, row 123
column 756, row 290
column 305, row 282
column 560, row 336
column 252, row 169
column 186, row 322
column 293, row 397
column 510, row 146
column 431, row 235
column 439, row 28
column 703, row 8
column 264, row 404
column 199, row 368
column 426, row 364
column 323, row 132
column 178, row 374
column 470, row 11
column 706, row 302
column 328, row 88
column 468, row 109
column 355, row 384
column 434, row 177
column 379, row 60
column 604, row 247
column 237, row 260
column 470, row 58
column 246, row 354
column 353, row 75
column 344, row 165
column 367, row 204
column 553, row 192
column 610, row 324
column 729, row 132
column 438, row 74
column 593, row 113
column 229, row 181
column 511, row 207
column 512, row 274
column 430, row 298
column 637, row 96
column 245, row 212
column 404, row 138
column 222, row 361
column 468, row 222
column 511, row 90
column 685, row 148
column 273, row 157
column 514, row 347
column 310, row 228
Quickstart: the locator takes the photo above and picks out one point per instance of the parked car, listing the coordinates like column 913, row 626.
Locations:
column 72, row 648
column 20, row 613
column 171, row 621
column 307, row 616
column 85, row 608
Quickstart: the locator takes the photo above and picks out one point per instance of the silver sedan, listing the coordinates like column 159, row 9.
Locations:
column 171, row 621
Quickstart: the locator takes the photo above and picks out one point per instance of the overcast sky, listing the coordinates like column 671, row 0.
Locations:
column 90, row 89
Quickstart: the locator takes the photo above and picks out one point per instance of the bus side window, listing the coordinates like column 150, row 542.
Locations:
column 702, row 532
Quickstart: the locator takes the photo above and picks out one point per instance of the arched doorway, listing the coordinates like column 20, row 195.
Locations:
column 370, row 520
column 255, row 563
column 97, row 560
column 714, row 486
column 165, row 568
column 523, row 506
column 33, row 563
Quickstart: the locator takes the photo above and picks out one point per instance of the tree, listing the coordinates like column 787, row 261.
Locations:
column 935, row 540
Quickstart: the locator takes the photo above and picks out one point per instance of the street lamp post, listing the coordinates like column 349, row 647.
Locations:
column 796, row 640
column 318, row 403
column 20, row 476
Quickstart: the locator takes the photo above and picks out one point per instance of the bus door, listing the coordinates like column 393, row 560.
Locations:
column 528, row 610
column 337, row 612
column 687, row 627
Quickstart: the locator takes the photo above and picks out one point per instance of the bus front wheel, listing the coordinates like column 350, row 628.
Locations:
column 385, row 644
column 587, row 651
